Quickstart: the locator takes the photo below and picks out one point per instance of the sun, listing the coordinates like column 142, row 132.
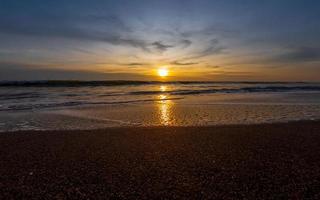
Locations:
column 163, row 72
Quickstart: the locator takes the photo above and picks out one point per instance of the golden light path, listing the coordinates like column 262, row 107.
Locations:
column 165, row 108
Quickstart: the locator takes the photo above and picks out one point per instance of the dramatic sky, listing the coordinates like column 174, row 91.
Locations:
column 130, row 39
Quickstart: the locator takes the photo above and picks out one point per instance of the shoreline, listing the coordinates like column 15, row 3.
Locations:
column 126, row 128
column 259, row 161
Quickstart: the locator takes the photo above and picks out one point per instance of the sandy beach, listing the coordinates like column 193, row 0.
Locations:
column 271, row 161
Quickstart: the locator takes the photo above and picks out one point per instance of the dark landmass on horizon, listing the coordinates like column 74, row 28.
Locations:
column 75, row 83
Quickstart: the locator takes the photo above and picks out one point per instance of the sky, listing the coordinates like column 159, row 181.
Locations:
column 205, row 40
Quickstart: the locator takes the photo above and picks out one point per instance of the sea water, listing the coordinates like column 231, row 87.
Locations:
column 59, row 105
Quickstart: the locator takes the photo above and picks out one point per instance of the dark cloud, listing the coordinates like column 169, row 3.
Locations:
column 302, row 54
column 16, row 71
column 239, row 76
column 115, row 40
column 110, row 21
column 135, row 64
column 213, row 67
column 232, row 72
column 160, row 46
column 183, row 63
column 110, row 30
column 185, row 43
column 209, row 31
column 213, row 48
column 82, row 50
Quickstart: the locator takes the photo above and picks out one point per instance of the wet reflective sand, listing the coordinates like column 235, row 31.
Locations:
column 161, row 113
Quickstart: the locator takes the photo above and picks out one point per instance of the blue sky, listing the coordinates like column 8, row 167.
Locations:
column 196, row 40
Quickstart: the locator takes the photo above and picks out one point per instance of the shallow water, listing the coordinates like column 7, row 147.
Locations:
column 155, row 104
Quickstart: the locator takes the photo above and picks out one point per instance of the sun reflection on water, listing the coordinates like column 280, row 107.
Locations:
column 163, row 88
column 165, row 109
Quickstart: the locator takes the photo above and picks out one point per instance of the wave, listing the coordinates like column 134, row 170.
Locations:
column 282, row 88
column 212, row 89
column 230, row 90
column 23, row 95
column 22, row 107
column 189, row 91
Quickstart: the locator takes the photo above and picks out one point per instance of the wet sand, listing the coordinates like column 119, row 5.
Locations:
column 275, row 161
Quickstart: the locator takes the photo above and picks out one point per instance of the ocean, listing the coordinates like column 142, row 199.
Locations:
column 60, row 105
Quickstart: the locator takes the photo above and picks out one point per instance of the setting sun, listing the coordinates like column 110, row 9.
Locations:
column 163, row 72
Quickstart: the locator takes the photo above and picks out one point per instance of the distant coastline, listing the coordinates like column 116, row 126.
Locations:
column 75, row 83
